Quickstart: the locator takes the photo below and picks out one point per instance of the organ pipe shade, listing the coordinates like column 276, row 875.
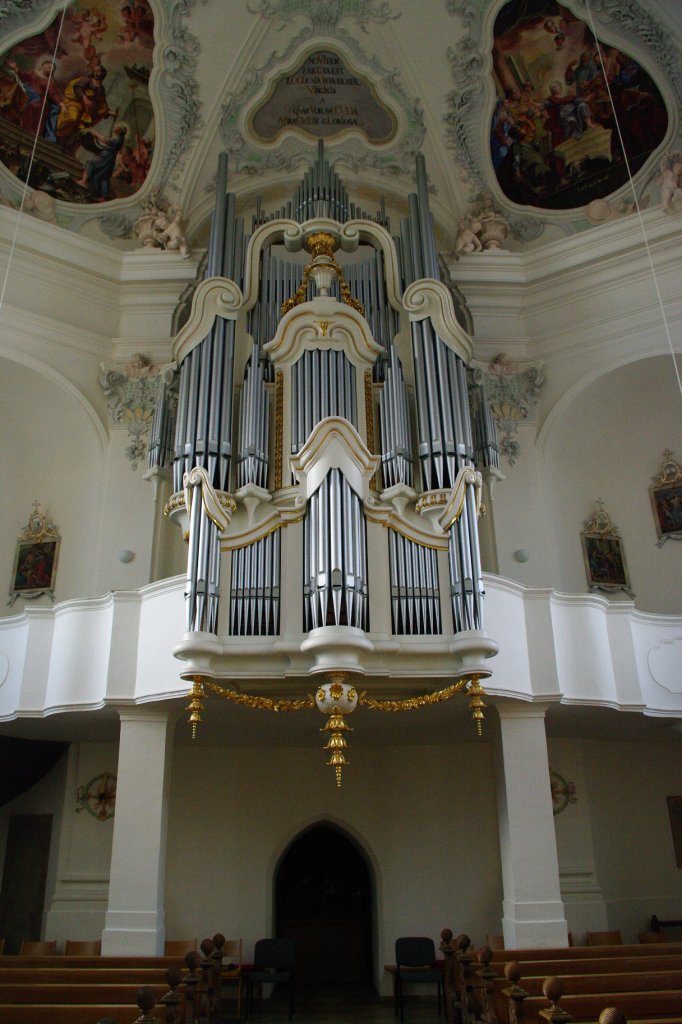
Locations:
column 415, row 602
column 335, row 557
column 255, row 588
column 322, row 384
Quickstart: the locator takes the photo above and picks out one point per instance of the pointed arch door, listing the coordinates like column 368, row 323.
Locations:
column 323, row 901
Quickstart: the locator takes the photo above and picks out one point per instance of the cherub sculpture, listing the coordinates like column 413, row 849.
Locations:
column 467, row 239
column 670, row 178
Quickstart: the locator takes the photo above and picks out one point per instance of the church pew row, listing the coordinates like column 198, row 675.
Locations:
column 636, row 950
column 626, row 978
column 587, row 984
column 596, row 965
column 65, row 990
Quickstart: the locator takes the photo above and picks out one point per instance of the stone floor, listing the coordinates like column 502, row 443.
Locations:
column 342, row 1005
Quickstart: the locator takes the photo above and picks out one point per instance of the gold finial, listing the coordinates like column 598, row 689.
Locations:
column 476, row 692
column 321, row 243
column 195, row 706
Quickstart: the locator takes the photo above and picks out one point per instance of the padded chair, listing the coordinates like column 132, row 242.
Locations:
column 82, row 947
column 29, row 947
column 179, row 947
column 273, row 964
column 612, row 938
column 415, row 963
column 232, row 970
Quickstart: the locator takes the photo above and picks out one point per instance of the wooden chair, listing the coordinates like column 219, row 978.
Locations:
column 179, row 947
column 232, row 969
column 653, row 937
column 612, row 938
column 82, row 947
column 30, row 947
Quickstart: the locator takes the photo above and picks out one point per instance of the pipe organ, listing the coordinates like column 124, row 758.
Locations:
column 323, row 455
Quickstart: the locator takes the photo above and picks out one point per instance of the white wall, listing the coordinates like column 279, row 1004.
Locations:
column 50, row 453
column 424, row 817
column 82, row 850
column 608, row 444
column 628, row 784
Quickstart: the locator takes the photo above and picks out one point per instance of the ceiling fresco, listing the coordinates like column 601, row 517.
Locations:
column 573, row 116
column 515, row 101
column 79, row 89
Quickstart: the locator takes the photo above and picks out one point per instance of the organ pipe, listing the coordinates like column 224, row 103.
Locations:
column 335, row 556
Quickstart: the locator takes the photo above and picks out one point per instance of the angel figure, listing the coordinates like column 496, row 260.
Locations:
column 467, row 239
column 671, row 175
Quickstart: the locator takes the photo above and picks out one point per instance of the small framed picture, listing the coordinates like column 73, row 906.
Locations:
column 666, row 499
column 35, row 558
column 603, row 554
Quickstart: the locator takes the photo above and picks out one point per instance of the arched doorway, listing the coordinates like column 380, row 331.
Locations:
column 323, row 901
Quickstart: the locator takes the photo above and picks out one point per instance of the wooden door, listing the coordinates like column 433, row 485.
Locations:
column 324, row 903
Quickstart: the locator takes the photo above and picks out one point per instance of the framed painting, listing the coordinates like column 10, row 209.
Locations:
column 666, row 499
column 35, row 559
column 603, row 554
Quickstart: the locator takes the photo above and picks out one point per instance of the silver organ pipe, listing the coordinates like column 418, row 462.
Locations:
column 254, row 424
column 322, row 384
column 255, row 588
column 204, row 424
column 335, row 559
column 396, row 440
column 202, row 588
column 414, row 580
column 483, row 424
column 163, row 421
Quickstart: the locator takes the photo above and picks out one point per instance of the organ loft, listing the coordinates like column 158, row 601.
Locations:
column 327, row 469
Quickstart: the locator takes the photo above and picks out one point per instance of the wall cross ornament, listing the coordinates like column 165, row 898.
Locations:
column 35, row 558
column 98, row 797
column 563, row 792
column 132, row 394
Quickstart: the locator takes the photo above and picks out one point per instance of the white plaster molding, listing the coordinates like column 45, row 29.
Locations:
column 323, row 323
column 664, row 662
column 214, row 297
column 430, row 299
column 467, row 476
column 334, row 443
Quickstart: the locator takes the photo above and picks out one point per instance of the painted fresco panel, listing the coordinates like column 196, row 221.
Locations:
column 562, row 95
column 88, row 110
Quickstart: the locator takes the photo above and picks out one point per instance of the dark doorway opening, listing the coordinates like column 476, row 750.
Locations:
column 24, row 878
column 323, row 901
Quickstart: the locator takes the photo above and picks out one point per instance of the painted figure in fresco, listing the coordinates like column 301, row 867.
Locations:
column 91, row 28
column 568, row 115
column 85, row 104
column 35, row 84
column 13, row 98
column 99, row 169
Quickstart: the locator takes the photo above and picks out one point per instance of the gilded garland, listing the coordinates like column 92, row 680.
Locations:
column 336, row 699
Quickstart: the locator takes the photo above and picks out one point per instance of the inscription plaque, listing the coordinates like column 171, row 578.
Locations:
column 323, row 97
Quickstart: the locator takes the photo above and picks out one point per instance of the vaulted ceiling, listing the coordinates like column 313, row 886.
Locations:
column 427, row 68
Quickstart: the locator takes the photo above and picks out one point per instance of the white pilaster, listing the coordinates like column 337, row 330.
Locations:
column 134, row 923
column 533, row 912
